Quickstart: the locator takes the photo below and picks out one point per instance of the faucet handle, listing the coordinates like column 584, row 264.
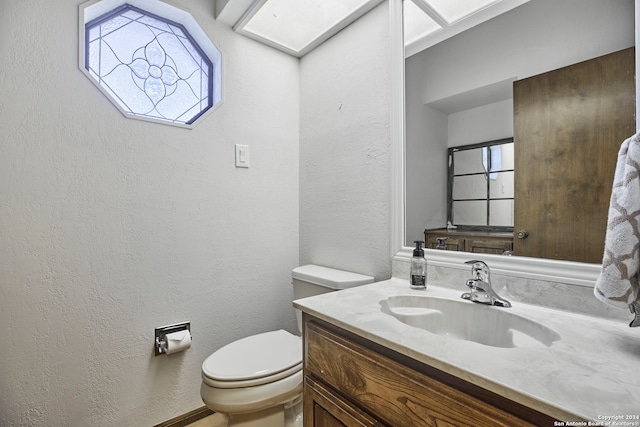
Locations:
column 478, row 268
column 476, row 261
column 480, row 284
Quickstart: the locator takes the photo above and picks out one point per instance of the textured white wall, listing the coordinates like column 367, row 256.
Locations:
column 345, row 173
column 537, row 37
column 481, row 124
column 110, row 227
column 425, row 158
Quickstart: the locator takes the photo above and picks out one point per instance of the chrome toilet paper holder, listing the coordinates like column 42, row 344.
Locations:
column 163, row 331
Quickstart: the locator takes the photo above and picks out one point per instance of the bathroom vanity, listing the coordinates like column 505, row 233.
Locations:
column 485, row 242
column 365, row 367
column 352, row 381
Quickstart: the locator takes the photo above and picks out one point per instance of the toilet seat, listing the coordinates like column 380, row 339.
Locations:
column 250, row 399
column 253, row 361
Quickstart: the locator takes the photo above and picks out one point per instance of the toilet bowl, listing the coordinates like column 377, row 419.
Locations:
column 253, row 373
column 256, row 381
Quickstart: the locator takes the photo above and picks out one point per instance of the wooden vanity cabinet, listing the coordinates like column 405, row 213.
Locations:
column 480, row 242
column 350, row 381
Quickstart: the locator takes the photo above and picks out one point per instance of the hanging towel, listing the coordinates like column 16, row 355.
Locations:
column 617, row 284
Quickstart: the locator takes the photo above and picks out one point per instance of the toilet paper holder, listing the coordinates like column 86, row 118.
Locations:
column 163, row 331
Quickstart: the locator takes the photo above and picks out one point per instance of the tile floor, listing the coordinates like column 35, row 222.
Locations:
column 210, row 421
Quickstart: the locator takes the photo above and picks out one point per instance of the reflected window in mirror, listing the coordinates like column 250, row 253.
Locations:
column 480, row 186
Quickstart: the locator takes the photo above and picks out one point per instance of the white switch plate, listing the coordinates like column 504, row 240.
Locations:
column 242, row 156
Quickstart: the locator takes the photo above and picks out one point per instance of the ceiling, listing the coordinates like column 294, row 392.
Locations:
column 299, row 26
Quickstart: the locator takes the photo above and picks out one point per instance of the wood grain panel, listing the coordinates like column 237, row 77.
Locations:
column 568, row 126
column 486, row 242
column 395, row 394
column 330, row 410
column 488, row 246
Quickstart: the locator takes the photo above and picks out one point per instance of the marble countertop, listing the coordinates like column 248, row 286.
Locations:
column 591, row 373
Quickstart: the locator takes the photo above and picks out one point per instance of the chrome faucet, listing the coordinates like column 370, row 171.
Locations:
column 480, row 284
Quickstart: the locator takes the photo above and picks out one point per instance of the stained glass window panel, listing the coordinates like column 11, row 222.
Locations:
column 149, row 65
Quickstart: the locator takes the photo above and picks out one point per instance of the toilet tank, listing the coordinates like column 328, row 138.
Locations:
column 310, row 280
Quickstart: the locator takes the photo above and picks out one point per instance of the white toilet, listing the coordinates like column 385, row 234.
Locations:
column 257, row 381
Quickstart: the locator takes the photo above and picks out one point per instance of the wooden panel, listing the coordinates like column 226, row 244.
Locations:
column 452, row 243
column 330, row 410
column 569, row 124
column 488, row 242
column 397, row 395
column 187, row 419
column 487, row 246
column 323, row 418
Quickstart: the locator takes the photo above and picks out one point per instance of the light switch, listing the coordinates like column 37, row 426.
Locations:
column 242, row 156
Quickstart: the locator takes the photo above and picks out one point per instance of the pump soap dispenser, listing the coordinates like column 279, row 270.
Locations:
column 418, row 267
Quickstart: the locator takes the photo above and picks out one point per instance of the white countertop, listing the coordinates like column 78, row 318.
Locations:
column 591, row 373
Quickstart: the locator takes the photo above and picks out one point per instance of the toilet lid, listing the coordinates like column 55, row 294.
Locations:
column 257, row 356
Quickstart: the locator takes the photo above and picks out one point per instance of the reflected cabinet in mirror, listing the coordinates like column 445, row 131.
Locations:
column 557, row 78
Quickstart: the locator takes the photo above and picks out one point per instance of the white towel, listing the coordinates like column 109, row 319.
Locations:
column 617, row 284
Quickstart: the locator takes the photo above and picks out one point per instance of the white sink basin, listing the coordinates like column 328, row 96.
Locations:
column 465, row 320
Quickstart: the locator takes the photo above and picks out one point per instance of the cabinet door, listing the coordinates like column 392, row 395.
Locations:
column 452, row 243
column 487, row 246
column 395, row 394
column 322, row 418
column 323, row 408
column 568, row 125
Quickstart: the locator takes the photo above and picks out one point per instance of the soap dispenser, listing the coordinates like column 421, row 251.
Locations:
column 418, row 267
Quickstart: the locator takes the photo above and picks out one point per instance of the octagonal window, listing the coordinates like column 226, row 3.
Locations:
column 151, row 67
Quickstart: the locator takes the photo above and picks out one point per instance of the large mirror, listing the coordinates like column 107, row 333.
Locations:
column 460, row 91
